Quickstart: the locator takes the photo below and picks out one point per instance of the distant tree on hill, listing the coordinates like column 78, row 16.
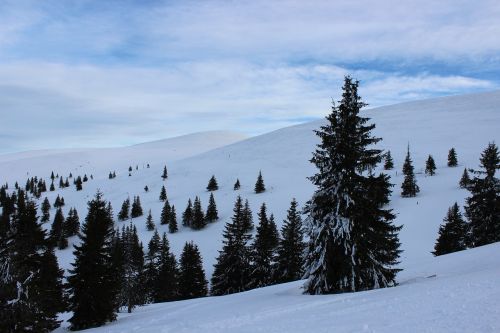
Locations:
column 150, row 225
column 192, row 281
column 164, row 175
column 259, row 185
column 166, row 285
column 198, row 221
column 452, row 158
column 187, row 216
column 172, row 224
column 212, row 214
column 163, row 193
column 237, row 185
column 165, row 213
column 85, row 178
column 136, row 210
column 52, row 187
column 430, row 166
column 78, row 183
column 146, row 188
column 247, row 220
column 45, row 210
column 212, row 184
column 409, row 186
column 465, row 180
column 388, row 163
column 124, row 211
column 452, row 233
column 72, row 223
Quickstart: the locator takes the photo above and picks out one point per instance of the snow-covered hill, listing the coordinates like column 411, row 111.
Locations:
column 466, row 122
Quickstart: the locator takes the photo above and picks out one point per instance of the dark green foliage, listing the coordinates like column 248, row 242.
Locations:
column 79, row 183
column 146, row 188
column 263, row 251
column 165, row 287
column 52, row 177
column 52, row 187
column 72, row 223
column 163, row 193
column 172, row 224
column 187, row 216
column 199, row 221
column 451, row 233
column 483, row 206
column 59, row 202
column 259, row 184
column 85, row 178
column 409, row 186
column 452, row 158
column 124, row 211
column 165, row 213
column 130, row 169
column 45, row 210
column 430, row 166
column 56, row 230
column 247, row 220
column 164, row 175
column 192, row 281
column 212, row 214
column 136, row 210
column 151, row 266
column 388, row 162
column 353, row 244
column 150, row 225
column 465, row 179
column 291, row 247
column 212, row 184
column 232, row 269
column 237, row 185
column 93, row 283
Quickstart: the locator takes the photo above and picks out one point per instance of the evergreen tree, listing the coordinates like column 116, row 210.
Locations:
column 409, row 186
column 231, row 271
column 150, row 225
column 172, row 223
column 451, row 233
column 130, row 169
column 237, row 185
column 164, row 175
column 430, row 166
column 78, row 183
column 212, row 184
column 187, row 216
column 192, row 281
column 483, row 206
column 388, row 163
column 66, row 183
column 353, row 244
column 92, row 281
column 123, row 214
column 465, row 180
column 85, row 178
column 45, row 210
column 136, row 210
column 452, row 158
column 52, row 187
column 146, row 188
column 72, row 223
column 263, row 251
column 56, row 231
column 166, row 287
column 152, row 266
column 259, row 184
column 57, row 202
column 110, row 176
column 165, row 213
column 212, row 214
column 52, row 177
column 247, row 221
column 291, row 247
column 163, row 193
column 199, row 221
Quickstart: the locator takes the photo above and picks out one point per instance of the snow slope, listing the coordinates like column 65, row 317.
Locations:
column 459, row 292
column 433, row 126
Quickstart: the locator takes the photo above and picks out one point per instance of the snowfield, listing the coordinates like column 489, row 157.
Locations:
column 462, row 297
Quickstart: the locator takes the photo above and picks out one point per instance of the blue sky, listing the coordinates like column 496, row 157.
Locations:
column 110, row 73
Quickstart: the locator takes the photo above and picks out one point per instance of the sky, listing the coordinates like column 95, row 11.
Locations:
column 118, row 72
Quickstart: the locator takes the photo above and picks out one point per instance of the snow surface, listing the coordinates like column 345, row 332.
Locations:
column 465, row 122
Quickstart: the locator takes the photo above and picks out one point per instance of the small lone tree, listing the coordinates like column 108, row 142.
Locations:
column 212, row 184
column 451, row 233
column 409, row 186
column 237, row 185
column 388, row 162
column 146, row 188
column 465, row 180
column 430, row 166
column 163, row 193
column 259, row 185
column 172, row 224
column 150, row 225
column 452, row 158
column 78, row 183
column 212, row 214
column 192, row 281
column 164, row 175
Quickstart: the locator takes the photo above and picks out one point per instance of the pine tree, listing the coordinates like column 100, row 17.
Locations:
column 92, row 281
column 164, row 175
column 465, row 180
column 57, row 202
column 231, row 271
column 452, row 158
column 78, row 183
column 187, row 216
column 52, row 177
column 388, row 163
column 150, row 225
column 212, row 184
column 72, row 223
column 483, row 206
column 166, row 287
column 130, row 169
column 56, row 231
column 430, row 166
column 146, row 188
column 199, row 221
column 212, row 214
column 52, row 187
column 237, row 185
column 353, row 244
column 259, row 185
column 165, row 213
column 110, row 176
column 123, row 214
column 291, row 247
column 152, row 266
column 85, row 178
column 66, row 183
column 136, row 210
column 263, row 251
column 172, row 224
column 163, row 193
column 409, row 186
column 247, row 221
column 45, row 210
column 192, row 281
column 451, row 233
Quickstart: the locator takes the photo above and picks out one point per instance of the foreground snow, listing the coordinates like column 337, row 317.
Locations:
column 453, row 293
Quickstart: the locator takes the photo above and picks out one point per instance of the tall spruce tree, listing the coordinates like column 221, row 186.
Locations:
column 72, row 223
column 482, row 208
column 451, row 233
column 465, row 179
column 212, row 184
column 164, row 175
column 192, row 281
column 124, row 211
column 263, row 251
column 388, row 161
column 409, row 186
column 291, row 247
column 150, row 225
column 231, row 271
column 92, row 281
column 212, row 214
column 199, row 221
column 45, row 210
column 56, row 230
column 430, row 166
column 172, row 223
column 247, row 218
column 166, row 286
column 152, row 266
column 259, row 184
column 452, row 158
column 353, row 244
column 187, row 216
column 165, row 213
column 136, row 210
column 163, row 193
